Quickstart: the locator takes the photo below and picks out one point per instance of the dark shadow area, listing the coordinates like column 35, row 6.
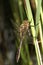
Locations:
column 7, row 36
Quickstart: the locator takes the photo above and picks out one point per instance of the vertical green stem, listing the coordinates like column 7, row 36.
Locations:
column 41, row 35
column 41, row 15
column 38, row 10
column 38, row 53
column 38, row 27
column 20, row 9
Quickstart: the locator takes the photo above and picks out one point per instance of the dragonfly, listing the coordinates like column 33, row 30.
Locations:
column 24, row 27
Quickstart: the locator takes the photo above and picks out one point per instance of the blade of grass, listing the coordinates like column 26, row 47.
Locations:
column 14, row 7
column 38, row 54
column 41, row 35
column 20, row 9
column 27, row 54
column 42, row 15
column 38, row 28
column 23, row 56
column 38, row 10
